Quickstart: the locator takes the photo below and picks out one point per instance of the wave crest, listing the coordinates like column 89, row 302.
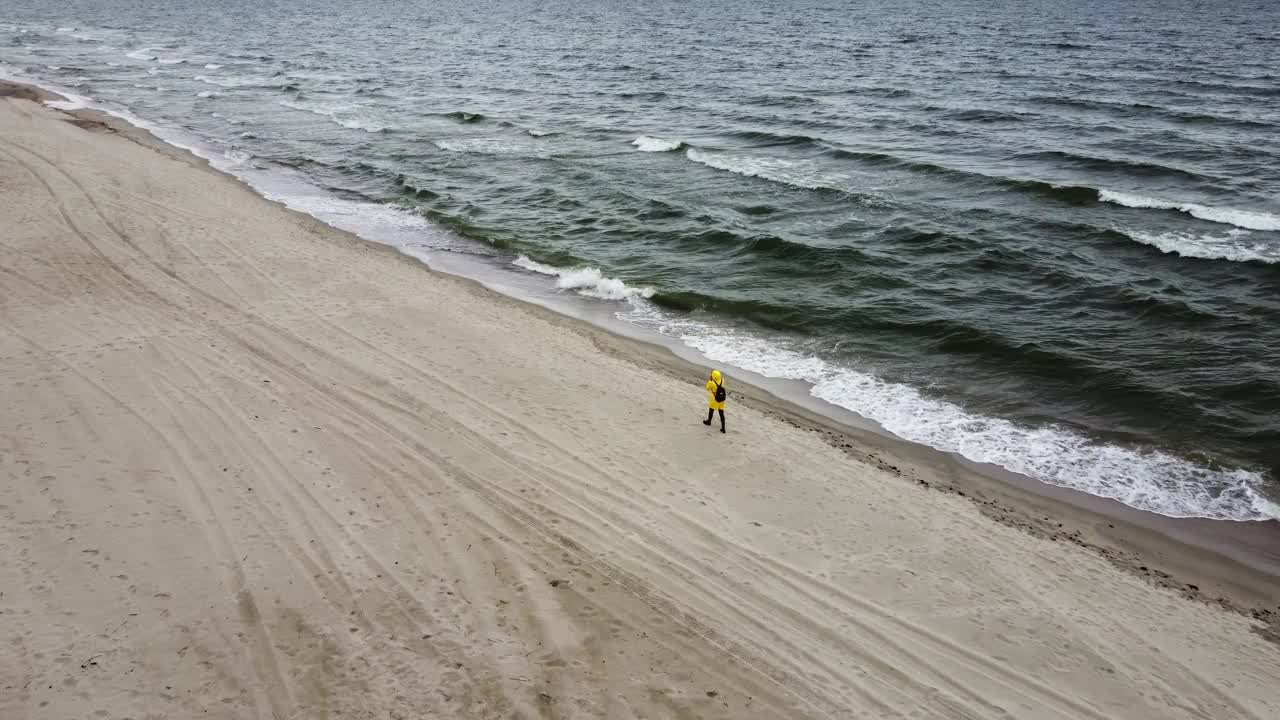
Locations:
column 1247, row 219
column 586, row 281
column 349, row 116
column 1231, row 246
column 778, row 170
column 646, row 143
column 465, row 117
column 491, row 146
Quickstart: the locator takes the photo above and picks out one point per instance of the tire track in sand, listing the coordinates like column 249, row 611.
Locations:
column 262, row 655
column 248, row 608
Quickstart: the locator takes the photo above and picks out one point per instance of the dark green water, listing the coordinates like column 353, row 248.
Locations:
column 1040, row 235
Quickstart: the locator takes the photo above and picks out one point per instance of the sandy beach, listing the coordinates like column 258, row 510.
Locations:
column 254, row 467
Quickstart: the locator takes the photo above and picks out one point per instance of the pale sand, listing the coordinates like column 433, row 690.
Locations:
column 251, row 467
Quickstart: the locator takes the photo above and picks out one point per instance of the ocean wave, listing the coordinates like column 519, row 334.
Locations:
column 1070, row 194
column 1231, row 246
column 465, row 117
column 872, row 157
column 540, row 133
column 348, row 116
column 788, row 101
column 141, row 54
column 884, row 92
column 1166, row 113
column 236, row 81
column 980, row 115
column 816, row 260
column 1247, row 219
column 765, row 138
column 1113, row 165
column 237, row 157
column 409, row 186
column 587, row 281
column 64, row 104
column 646, row 143
column 1229, row 88
column 172, row 61
column 486, row 146
column 1142, row 478
column 212, row 66
column 648, row 96
column 777, row 170
column 206, row 94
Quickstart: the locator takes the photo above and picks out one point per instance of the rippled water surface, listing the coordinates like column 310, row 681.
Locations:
column 1044, row 235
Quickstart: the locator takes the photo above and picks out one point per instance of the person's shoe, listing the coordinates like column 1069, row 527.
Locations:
column 721, row 429
column 707, row 423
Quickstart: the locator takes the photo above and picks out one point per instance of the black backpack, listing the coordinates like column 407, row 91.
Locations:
column 720, row 393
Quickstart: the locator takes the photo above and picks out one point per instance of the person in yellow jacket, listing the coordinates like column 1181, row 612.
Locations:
column 715, row 386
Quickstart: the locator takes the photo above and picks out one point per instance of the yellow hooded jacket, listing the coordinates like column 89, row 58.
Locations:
column 711, row 388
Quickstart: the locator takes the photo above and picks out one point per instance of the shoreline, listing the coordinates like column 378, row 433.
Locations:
column 252, row 468
column 1165, row 476
column 1232, row 565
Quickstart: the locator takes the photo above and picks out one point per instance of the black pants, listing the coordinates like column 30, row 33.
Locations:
column 711, row 413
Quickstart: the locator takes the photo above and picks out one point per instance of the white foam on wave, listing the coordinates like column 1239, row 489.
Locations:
column 539, row 133
column 485, row 146
column 1231, row 246
column 1247, row 219
column 70, row 101
column 212, row 66
column 348, row 116
column 587, row 281
column 141, row 54
column 65, row 29
column 206, row 94
column 1146, row 479
column 356, row 123
column 172, row 61
column 778, row 170
column 235, row 81
column 1266, row 507
column 646, row 143
column 237, row 157
column 64, row 104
